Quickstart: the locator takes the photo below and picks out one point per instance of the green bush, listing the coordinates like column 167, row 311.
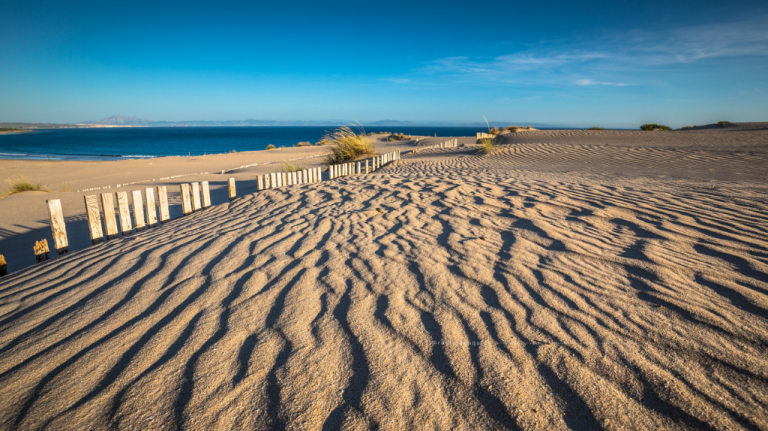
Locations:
column 654, row 126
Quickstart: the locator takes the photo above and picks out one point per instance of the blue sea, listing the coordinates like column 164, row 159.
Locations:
column 148, row 142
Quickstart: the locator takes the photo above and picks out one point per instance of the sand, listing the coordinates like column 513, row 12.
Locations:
column 545, row 286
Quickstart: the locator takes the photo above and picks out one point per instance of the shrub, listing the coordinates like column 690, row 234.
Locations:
column 724, row 123
column 323, row 142
column 494, row 131
column 290, row 167
column 513, row 128
column 528, row 127
column 303, row 144
column 399, row 137
column 596, row 128
column 653, row 126
column 22, row 184
column 270, row 147
column 487, row 145
column 347, row 145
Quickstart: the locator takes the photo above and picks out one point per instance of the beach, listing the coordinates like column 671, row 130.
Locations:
column 570, row 279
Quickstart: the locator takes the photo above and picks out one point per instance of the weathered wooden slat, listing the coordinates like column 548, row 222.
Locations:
column 162, row 197
column 186, row 201
column 41, row 249
column 58, row 229
column 283, row 181
column 304, row 176
column 272, row 180
column 232, row 190
column 196, row 196
column 367, row 169
column 295, row 176
column 125, row 213
column 260, row 183
column 206, row 195
column 149, row 197
column 110, row 219
column 138, row 211
column 94, row 218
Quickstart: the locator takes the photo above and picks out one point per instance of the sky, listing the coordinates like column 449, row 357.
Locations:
column 608, row 63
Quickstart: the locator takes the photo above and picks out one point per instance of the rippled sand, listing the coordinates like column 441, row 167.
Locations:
column 449, row 290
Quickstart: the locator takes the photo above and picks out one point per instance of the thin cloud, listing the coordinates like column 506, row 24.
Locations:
column 616, row 60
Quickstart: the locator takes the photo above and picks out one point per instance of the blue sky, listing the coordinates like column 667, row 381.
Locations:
column 613, row 64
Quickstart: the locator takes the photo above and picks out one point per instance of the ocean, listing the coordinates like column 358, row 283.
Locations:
column 148, row 142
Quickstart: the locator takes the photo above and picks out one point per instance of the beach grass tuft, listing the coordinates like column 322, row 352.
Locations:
column 303, row 144
column 724, row 123
column 654, row 126
column 596, row 128
column 66, row 188
column 348, row 144
column 271, row 147
column 22, row 184
column 290, row 167
column 399, row 137
column 487, row 145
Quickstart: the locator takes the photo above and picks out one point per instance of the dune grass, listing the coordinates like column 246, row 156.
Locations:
column 66, row 188
column 399, row 137
column 271, row 147
column 488, row 145
column 347, row 144
column 596, row 128
column 724, row 123
column 303, row 144
column 654, row 126
column 22, row 184
column 290, row 167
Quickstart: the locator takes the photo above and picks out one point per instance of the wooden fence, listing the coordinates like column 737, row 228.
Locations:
column 148, row 211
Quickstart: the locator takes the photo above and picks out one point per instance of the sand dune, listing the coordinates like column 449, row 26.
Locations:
column 448, row 290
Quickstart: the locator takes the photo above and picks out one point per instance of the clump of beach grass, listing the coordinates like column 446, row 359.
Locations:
column 487, row 145
column 654, row 126
column 66, row 188
column 724, row 123
column 513, row 129
column 22, row 184
column 596, row 128
column 494, row 131
column 290, row 167
column 271, row 147
column 347, row 144
column 303, row 144
column 399, row 137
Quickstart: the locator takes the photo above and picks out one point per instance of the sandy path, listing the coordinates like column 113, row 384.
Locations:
column 452, row 291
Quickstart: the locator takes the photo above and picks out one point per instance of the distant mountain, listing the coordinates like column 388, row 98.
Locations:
column 120, row 120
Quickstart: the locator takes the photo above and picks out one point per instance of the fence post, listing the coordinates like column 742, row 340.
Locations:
column 138, row 211
column 206, row 195
column 162, row 197
column 94, row 219
column 149, row 196
column 41, row 249
column 57, row 226
column 186, row 202
column 125, row 214
column 231, row 188
column 110, row 222
column 260, row 183
column 196, row 196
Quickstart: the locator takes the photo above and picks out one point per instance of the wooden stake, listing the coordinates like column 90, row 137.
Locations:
column 149, row 196
column 57, row 226
column 196, row 197
column 366, row 167
column 305, row 176
column 206, row 195
column 41, row 249
column 125, row 213
column 232, row 190
column 273, row 180
column 110, row 221
column 138, row 211
column 162, row 197
column 288, row 179
column 94, row 218
column 260, row 183
column 186, row 201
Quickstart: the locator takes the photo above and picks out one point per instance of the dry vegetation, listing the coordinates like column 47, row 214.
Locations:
column 22, row 184
column 347, row 145
column 290, row 167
